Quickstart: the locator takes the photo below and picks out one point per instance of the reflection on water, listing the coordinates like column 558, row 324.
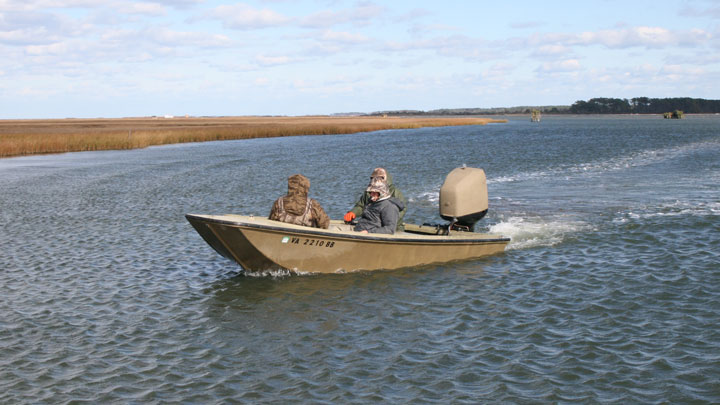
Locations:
column 607, row 293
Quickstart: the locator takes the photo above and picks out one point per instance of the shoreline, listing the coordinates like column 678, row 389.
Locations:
column 23, row 137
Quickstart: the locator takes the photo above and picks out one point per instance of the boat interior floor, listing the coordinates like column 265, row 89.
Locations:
column 409, row 228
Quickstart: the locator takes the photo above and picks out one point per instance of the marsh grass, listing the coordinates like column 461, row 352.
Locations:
column 27, row 137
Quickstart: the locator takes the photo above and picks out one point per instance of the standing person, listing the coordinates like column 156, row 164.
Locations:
column 382, row 213
column 364, row 200
column 297, row 208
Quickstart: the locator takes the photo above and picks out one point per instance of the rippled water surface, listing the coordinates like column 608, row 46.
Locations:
column 608, row 293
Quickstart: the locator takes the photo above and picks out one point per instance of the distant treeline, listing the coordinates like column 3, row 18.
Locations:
column 645, row 105
column 638, row 105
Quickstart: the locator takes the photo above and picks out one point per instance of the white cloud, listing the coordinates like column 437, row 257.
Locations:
column 332, row 85
column 43, row 50
column 650, row 37
column 551, row 50
column 567, row 65
column 186, row 38
column 244, row 17
column 179, row 3
column 361, row 15
column 165, row 37
column 324, row 49
column 682, row 71
column 40, row 5
column 149, row 9
column 385, row 53
column 33, row 5
column 621, row 38
column 27, row 36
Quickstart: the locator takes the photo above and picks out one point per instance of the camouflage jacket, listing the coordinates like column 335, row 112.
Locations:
column 297, row 208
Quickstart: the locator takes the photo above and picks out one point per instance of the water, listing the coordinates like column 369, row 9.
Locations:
column 608, row 293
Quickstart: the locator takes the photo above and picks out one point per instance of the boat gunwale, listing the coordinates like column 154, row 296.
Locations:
column 411, row 238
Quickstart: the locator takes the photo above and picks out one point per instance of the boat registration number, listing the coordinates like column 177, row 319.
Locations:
column 308, row 242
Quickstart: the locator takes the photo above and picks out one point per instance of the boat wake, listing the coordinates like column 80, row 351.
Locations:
column 525, row 232
column 534, row 232
column 670, row 209
column 428, row 197
column 632, row 160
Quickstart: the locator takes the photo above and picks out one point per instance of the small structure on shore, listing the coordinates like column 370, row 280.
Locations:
column 535, row 116
column 677, row 114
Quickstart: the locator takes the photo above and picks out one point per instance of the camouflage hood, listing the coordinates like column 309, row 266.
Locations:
column 296, row 199
column 298, row 185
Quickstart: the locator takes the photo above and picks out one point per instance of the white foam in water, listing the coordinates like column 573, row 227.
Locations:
column 636, row 159
column 674, row 209
column 528, row 233
column 521, row 177
column 282, row 273
column 431, row 196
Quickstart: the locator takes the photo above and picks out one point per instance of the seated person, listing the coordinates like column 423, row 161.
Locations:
column 297, row 208
column 382, row 212
column 382, row 174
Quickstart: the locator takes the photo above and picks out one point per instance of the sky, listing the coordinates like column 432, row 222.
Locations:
column 116, row 58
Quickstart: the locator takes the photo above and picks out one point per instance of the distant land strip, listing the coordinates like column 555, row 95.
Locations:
column 599, row 105
column 30, row 137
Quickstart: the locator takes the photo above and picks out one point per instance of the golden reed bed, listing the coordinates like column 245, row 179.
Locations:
column 27, row 137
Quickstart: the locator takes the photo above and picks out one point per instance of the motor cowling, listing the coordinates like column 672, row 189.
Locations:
column 464, row 197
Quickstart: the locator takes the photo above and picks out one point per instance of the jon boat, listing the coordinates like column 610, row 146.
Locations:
column 259, row 244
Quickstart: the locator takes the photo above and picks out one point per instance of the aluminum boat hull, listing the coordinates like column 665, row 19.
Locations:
column 259, row 244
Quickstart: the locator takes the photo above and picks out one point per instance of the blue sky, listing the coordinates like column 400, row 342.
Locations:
column 115, row 58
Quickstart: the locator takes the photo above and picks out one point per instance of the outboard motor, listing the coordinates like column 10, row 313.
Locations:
column 464, row 198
